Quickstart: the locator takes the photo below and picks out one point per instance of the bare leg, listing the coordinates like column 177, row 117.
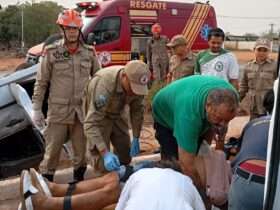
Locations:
column 94, row 200
column 59, row 190
column 97, row 199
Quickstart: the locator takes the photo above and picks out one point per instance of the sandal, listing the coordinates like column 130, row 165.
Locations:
column 39, row 182
column 26, row 190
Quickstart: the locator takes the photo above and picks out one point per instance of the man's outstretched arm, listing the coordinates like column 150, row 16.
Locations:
column 187, row 161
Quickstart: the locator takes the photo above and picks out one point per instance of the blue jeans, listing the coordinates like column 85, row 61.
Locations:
column 245, row 194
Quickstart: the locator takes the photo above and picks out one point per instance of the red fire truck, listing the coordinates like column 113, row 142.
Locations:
column 119, row 29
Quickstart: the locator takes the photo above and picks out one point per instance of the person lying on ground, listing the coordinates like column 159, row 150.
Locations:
column 153, row 185
column 40, row 194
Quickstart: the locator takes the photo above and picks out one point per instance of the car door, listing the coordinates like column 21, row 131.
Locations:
column 272, row 185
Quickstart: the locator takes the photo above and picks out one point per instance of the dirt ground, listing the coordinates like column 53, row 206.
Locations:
column 9, row 60
column 9, row 63
column 245, row 56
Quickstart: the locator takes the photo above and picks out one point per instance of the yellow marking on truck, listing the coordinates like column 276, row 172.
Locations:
column 191, row 19
column 194, row 23
column 201, row 19
column 199, row 25
column 120, row 55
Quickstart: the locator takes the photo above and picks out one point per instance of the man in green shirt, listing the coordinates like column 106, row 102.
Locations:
column 186, row 110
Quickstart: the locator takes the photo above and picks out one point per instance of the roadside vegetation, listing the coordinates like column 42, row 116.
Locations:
column 38, row 23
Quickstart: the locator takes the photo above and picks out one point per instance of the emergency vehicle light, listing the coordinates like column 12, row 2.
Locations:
column 87, row 5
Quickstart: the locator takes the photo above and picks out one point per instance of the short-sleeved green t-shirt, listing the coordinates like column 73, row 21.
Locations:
column 180, row 107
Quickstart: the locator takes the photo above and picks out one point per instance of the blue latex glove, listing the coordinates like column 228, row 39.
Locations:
column 111, row 161
column 135, row 147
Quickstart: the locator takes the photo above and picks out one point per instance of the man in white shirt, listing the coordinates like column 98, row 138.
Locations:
column 217, row 61
column 159, row 189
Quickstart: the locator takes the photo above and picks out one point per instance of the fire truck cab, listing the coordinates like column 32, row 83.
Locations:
column 119, row 29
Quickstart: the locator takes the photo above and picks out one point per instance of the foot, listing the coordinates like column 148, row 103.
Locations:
column 39, row 182
column 40, row 200
column 26, row 190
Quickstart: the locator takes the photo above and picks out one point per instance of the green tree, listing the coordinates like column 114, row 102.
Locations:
column 9, row 22
column 39, row 22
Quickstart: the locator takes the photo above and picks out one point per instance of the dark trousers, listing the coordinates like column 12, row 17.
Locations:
column 168, row 143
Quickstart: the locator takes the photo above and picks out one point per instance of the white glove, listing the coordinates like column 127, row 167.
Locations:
column 38, row 119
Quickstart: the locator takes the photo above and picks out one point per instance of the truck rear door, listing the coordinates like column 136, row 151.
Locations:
column 140, row 27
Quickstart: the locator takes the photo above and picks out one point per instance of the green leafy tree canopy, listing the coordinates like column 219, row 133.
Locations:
column 39, row 22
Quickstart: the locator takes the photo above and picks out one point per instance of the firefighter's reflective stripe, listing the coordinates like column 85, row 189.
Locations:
column 194, row 23
column 191, row 19
column 196, row 31
column 121, row 56
column 114, row 57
